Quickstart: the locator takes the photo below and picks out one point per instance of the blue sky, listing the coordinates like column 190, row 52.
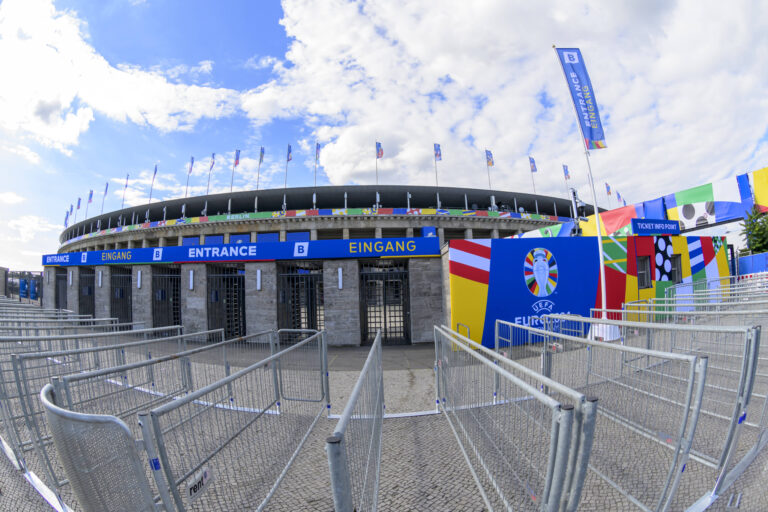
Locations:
column 94, row 90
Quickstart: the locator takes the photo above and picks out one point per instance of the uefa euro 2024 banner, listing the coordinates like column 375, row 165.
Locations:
column 519, row 280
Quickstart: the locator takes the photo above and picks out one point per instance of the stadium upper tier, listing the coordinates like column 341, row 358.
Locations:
column 329, row 210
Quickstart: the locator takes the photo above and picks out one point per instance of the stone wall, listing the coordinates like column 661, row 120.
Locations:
column 49, row 288
column 260, row 305
column 194, row 311
column 3, row 277
column 342, row 306
column 103, row 292
column 141, row 298
column 426, row 297
column 73, row 288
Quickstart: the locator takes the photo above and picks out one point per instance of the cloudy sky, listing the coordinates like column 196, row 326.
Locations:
column 92, row 91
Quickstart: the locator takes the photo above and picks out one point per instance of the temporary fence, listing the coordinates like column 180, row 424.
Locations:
column 525, row 448
column 649, row 403
column 33, row 370
column 722, row 287
column 52, row 329
column 12, row 416
column 354, row 449
column 722, row 442
column 229, row 445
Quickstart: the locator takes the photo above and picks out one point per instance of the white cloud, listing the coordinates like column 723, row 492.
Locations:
column 55, row 83
column 10, row 198
column 681, row 86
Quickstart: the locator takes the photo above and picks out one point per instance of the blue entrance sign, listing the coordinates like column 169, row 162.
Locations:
column 264, row 251
column 655, row 227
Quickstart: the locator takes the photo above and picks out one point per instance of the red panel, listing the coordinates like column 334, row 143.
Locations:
column 644, row 246
column 386, row 211
column 615, row 283
column 707, row 249
column 471, row 247
column 631, row 256
column 618, row 218
column 467, row 272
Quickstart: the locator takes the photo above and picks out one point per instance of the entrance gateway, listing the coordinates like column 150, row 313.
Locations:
column 384, row 301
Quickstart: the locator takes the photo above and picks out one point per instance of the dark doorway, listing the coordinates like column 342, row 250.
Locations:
column 60, row 287
column 87, row 299
column 226, row 299
column 384, row 301
column 166, row 304
column 121, row 299
column 300, row 295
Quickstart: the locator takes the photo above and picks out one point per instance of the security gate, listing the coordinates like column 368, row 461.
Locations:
column 121, row 300
column 226, row 299
column 86, row 299
column 300, row 295
column 60, row 285
column 384, row 301
column 166, row 285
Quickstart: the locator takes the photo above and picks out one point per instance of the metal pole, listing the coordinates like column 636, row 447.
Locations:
column 232, row 180
column 285, row 184
column 488, row 168
column 534, row 183
column 86, row 208
column 340, row 483
column 599, row 235
column 258, row 173
column 377, row 170
column 102, row 203
column 186, row 189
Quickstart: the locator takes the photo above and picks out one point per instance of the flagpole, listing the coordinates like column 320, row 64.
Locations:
column 151, row 187
column 210, row 170
column 232, row 180
column 488, row 169
column 377, row 169
column 102, row 202
column 594, row 200
column 258, row 173
column 78, row 207
column 316, row 156
column 186, row 190
column 534, row 182
column 567, row 191
column 122, row 206
column 86, row 209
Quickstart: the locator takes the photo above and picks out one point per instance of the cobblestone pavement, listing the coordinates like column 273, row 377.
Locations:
column 16, row 494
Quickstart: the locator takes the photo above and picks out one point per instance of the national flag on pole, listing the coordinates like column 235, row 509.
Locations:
column 71, row 208
column 565, row 171
column 106, row 187
column 438, row 152
column 583, row 96
column 126, row 180
column 618, row 196
column 607, row 189
column 90, row 196
column 191, row 165
column 237, row 157
column 66, row 219
column 213, row 161
column 533, row 164
column 154, row 174
column 625, row 202
column 488, row 158
column 379, row 150
column 289, row 157
column 261, row 155
column 317, row 151
column 78, row 203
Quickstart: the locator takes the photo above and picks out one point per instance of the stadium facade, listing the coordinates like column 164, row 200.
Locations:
column 350, row 260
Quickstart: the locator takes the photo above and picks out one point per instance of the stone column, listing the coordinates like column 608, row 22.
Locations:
column 468, row 234
column 194, row 305
column 161, row 241
column 226, row 238
column 73, row 289
column 345, row 233
column 102, row 294
column 141, row 298
column 441, row 235
column 425, row 283
column 409, row 232
column 282, row 234
column 377, row 233
column 253, row 236
column 342, row 307
column 260, row 305
column 313, row 234
column 49, row 287
column 495, row 233
column 3, row 277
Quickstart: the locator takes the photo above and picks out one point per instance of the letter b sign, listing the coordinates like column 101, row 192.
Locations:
column 300, row 249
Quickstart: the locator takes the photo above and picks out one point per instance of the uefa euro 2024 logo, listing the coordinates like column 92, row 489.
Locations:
column 540, row 272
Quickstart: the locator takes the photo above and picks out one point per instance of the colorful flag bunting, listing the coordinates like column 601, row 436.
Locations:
column 78, row 203
column 607, row 189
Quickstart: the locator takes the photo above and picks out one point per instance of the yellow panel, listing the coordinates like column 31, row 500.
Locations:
column 722, row 262
column 468, row 303
column 672, row 214
column 680, row 246
column 760, row 183
column 630, row 289
column 589, row 228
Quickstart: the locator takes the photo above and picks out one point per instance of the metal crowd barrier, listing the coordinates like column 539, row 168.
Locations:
column 49, row 329
column 724, row 286
column 354, row 449
column 531, row 448
column 33, row 370
column 11, row 415
column 649, row 404
column 732, row 354
column 228, row 445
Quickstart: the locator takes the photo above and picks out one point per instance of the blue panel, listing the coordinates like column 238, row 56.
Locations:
column 654, row 209
column 214, row 239
column 649, row 226
column 190, row 240
column 297, row 236
column 429, row 231
column 268, row 237
column 242, row 238
column 509, row 297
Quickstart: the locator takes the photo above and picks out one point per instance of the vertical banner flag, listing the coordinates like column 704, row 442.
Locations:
column 90, row 196
column 607, row 189
column 438, row 153
column 625, row 202
column 106, row 188
column 191, row 165
column 261, row 155
column 288, row 157
column 583, row 96
column 154, row 174
column 618, row 196
column 237, row 157
column 379, row 151
column 71, row 209
column 124, row 190
column 152, row 185
column 565, row 171
column 317, row 151
column 213, row 161
column 78, row 203
column 533, row 164
column 66, row 219
column 488, row 158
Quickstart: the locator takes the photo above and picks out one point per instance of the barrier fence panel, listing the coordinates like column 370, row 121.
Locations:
column 526, row 449
column 33, row 329
column 227, row 446
column 33, row 370
column 354, row 449
column 94, row 450
column 10, row 409
column 649, row 405
column 723, row 440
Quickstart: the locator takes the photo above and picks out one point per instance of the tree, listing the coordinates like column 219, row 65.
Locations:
column 755, row 231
